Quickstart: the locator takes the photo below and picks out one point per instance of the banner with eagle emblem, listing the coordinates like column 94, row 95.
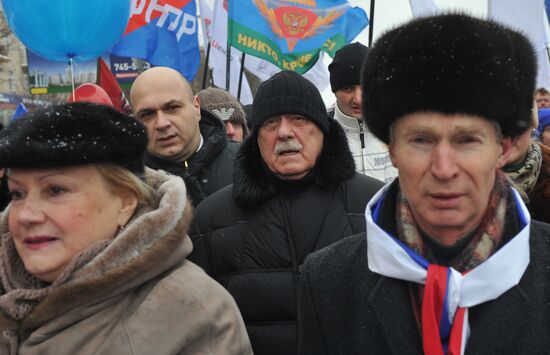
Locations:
column 291, row 33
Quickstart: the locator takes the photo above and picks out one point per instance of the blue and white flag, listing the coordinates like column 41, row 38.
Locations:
column 164, row 33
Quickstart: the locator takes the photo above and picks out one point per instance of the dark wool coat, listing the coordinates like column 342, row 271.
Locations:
column 209, row 169
column 253, row 236
column 344, row 308
column 539, row 204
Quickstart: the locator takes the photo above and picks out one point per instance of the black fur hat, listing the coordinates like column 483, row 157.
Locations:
column 73, row 134
column 450, row 64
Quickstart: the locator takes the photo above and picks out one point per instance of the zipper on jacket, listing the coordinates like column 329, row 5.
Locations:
column 361, row 134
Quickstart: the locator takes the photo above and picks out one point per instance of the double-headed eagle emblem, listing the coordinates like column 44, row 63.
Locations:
column 298, row 19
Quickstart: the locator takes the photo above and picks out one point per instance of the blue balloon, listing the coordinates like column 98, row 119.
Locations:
column 63, row 29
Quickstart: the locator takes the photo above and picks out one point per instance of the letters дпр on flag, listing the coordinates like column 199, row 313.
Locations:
column 163, row 32
column 291, row 34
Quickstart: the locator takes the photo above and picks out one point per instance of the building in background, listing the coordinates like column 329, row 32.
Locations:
column 13, row 71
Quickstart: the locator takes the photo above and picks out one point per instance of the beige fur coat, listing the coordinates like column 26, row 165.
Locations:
column 136, row 294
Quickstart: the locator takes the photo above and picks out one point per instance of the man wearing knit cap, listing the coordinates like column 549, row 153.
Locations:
column 184, row 139
column 369, row 153
column 451, row 262
column 226, row 107
column 295, row 190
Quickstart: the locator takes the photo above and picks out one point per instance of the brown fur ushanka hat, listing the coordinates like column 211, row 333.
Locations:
column 452, row 64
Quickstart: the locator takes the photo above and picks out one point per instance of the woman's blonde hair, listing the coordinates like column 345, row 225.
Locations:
column 122, row 179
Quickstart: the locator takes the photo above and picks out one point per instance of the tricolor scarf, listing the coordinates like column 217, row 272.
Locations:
column 449, row 293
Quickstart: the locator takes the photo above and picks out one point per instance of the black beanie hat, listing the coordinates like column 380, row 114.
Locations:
column 73, row 134
column 452, row 64
column 345, row 69
column 288, row 92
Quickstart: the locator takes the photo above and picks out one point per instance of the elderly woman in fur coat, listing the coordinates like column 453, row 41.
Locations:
column 93, row 248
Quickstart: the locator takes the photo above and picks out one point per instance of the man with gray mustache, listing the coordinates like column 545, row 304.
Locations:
column 295, row 190
column 287, row 147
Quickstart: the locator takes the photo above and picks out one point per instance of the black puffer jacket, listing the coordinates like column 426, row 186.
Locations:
column 253, row 236
column 209, row 169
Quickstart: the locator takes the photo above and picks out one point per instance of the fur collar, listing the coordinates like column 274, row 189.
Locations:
column 252, row 184
column 153, row 242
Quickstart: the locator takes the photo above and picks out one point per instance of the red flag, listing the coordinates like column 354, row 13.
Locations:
column 108, row 82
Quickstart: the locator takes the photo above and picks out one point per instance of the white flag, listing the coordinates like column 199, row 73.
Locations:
column 529, row 17
column 218, row 52
column 318, row 74
column 207, row 16
column 421, row 8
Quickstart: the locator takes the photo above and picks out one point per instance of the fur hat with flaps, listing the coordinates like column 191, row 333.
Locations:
column 452, row 64
column 73, row 134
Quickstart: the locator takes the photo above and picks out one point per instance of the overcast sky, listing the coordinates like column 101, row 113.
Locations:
column 391, row 13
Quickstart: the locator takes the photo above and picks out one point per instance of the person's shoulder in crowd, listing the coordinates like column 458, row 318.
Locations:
column 210, row 314
column 539, row 205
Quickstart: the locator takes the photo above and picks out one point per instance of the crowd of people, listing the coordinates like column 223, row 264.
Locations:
column 409, row 218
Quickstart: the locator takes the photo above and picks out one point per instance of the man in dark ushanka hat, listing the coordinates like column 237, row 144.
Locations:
column 451, row 262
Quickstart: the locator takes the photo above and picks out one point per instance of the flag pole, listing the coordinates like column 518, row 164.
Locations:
column 228, row 53
column 97, row 70
column 71, row 64
column 241, row 77
column 205, row 73
column 371, row 21
column 227, row 66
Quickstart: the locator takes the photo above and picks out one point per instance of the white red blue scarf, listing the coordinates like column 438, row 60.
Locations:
column 448, row 293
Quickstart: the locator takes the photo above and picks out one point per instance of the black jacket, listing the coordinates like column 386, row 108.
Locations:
column 253, row 236
column 344, row 308
column 209, row 169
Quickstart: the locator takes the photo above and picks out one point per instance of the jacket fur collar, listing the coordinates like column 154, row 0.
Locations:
column 153, row 242
column 252, row 184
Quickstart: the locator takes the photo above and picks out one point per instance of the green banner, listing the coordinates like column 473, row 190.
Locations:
column 255, row 43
